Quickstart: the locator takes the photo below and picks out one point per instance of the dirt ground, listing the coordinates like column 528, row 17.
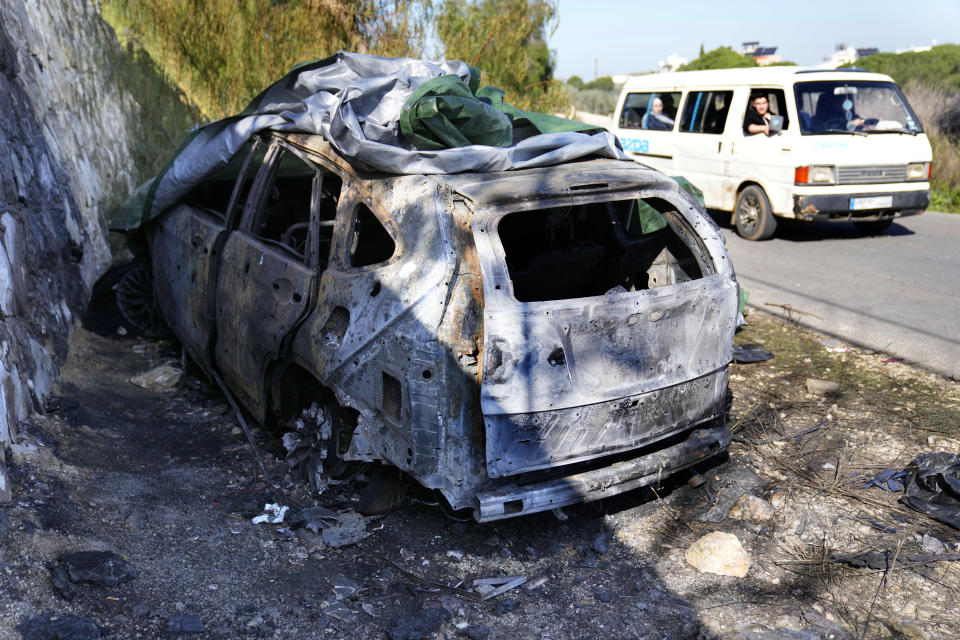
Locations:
column 164, row 480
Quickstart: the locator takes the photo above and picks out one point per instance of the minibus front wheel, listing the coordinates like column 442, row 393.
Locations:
column 752, row 215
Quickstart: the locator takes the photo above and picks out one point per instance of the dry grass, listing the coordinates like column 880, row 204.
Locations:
column 939, row 111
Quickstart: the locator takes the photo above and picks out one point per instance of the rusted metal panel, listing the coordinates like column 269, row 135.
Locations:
column 523, row 442
column 261, row 294
column 183, row 247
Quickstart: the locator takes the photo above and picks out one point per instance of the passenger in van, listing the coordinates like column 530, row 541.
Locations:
column 656, row 118
column 758, row 116
column 835, row 112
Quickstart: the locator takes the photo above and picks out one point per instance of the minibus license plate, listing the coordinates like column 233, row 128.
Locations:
column 875, row 202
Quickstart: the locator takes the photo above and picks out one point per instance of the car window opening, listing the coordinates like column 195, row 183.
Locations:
column 577, row 251
column 213, row 194
column 706, row 111
column 372, row 243
column 329, row 198
column 285, row 219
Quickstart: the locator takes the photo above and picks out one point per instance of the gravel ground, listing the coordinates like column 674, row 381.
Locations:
column 164, row 480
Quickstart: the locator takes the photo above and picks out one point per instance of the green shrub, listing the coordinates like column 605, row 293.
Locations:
column 937, row 68
column 939, row 110
column 719, row 58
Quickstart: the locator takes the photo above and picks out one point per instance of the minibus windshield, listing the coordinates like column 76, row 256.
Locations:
column 854, row 107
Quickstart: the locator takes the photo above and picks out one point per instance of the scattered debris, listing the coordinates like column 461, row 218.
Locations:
column 822, row 387
column 103, row 568
column 343, row 587
column 162, row 378
column 890, row 360
column 719, row 553
column 336, row 609
column 350, row 529
column 313, row 519
column 187, row 623
column 44, row 627
column 933, row 486
column 834, row 346
column 750, row 353
column 493, row 587
column 753, row 509
column 272, row 514
column 726, row 488
column 888, row 480
column 931, row 545
column 536, row 583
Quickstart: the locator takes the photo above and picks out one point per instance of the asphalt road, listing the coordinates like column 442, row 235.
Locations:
column 898, row 293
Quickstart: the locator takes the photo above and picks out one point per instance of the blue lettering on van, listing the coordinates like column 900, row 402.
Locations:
column 636, row 145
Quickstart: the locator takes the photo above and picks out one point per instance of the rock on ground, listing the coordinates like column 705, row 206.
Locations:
column 719, row 553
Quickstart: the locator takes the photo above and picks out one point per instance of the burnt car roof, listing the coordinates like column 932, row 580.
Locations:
column 580, row 177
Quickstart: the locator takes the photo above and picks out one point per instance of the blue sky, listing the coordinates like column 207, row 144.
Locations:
column 627, row 36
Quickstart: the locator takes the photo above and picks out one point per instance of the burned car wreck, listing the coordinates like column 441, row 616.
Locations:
column 516, row 340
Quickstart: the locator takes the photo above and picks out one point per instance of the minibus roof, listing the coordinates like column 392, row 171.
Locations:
column 743, row 77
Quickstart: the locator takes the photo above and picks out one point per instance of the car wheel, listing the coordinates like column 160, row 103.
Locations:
column 873, row 228
column 752, row 216
column 137, row 303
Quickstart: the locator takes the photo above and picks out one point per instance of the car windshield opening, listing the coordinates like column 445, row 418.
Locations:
column 839, row 107
column 582, row 250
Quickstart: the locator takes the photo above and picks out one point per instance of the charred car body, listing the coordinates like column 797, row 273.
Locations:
column 514, row 340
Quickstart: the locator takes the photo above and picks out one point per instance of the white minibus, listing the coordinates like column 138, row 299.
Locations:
column 837, row 145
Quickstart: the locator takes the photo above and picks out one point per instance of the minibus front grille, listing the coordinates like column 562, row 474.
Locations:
column 872, row 174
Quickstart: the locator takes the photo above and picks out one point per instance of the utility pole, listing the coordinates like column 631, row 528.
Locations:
column 596, row 73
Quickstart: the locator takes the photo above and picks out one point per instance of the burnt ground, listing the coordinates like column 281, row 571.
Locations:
column 167, row 481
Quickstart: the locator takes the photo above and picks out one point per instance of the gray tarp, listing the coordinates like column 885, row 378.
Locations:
column 354, row 101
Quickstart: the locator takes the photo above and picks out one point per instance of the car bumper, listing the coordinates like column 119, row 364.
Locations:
column 516, row 500
column 838, row 207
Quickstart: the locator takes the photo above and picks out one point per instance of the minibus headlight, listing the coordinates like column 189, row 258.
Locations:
column 822, row 174
column 815, row 174
column 918, row 171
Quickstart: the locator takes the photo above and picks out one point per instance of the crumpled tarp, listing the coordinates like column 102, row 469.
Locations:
column 933, row 486
column 358, row 103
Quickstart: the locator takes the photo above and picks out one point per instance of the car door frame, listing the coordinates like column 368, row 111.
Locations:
column 198, row 271
column 237, row 301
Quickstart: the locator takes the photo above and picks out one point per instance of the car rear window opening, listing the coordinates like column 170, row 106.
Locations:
column 577, row 251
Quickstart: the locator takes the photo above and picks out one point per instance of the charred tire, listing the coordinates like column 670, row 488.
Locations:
column 311, row 455
column 753, row 216
column 137, row 303
column 872, row 228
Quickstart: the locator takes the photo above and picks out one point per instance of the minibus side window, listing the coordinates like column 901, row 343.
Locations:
column 777, row 101
column 705, row 111
column 655, row 111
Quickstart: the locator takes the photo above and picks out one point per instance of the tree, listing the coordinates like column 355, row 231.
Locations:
column 719, row 58
column 506, row 40
column 939, row 67
column 576, row 82
column 224, row 52
column 603, row 83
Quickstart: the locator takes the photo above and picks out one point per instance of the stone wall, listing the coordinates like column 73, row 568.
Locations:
column 65, row 135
